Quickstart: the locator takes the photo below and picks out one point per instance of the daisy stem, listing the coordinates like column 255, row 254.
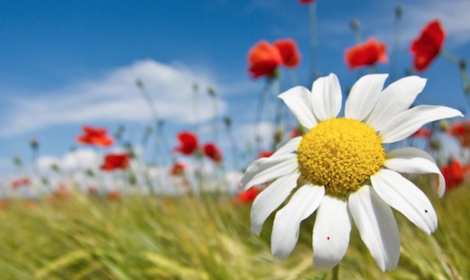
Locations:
column 314, row 39
column 335, row 273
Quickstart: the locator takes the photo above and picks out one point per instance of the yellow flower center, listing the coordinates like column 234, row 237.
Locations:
column 340, row 154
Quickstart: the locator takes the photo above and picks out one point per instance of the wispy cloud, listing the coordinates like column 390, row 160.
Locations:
column 114, row 97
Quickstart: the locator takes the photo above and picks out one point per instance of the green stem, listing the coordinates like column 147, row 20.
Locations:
column 259, row 113
column 396, row 46
column 314, row 39
column 335, row 273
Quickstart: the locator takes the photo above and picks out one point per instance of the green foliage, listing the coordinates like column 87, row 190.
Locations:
column 203, row 238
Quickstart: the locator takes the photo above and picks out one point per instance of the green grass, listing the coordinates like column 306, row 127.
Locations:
column 209, row 238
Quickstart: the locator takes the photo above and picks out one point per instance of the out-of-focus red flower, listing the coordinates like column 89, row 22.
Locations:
column 92, row 189
column 266, row 154
column 461, row 131
column 263, row 58
column 366, row 54
column 115, row 161
column 454, row 174
column 95, row 136
column 177, row 169
column 427, row 46
column 188, row 143
column 212, row 152
column 20, row 182
column 423, row 132
column 4, row 204
column 249, row 195
column 306, row 1
column 289, row 52
column 297, row 131
column 114, row 195
column 62, row 191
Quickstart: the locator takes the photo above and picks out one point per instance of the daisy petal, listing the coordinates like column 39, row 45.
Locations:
column 287, row 221
column 376, row 224
column 396, row 98
column 270, row 199
column 405, row 197
column 289, row 147
column 412, row 160
column 298, row 101
column 364, row 95
column 408, row 122
column 331, row 233
column 326, row 97
column 267, row 169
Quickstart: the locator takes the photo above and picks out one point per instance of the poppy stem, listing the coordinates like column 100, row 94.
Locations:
column 335, row 273
column 233, row 143
column 215, row 108
column 314, row 39
column 396, row 43
column 259, row 113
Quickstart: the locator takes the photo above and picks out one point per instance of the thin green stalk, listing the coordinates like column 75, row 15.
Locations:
column 396, row 43
column 314, row 40
column 259, row 113
column 335, row 273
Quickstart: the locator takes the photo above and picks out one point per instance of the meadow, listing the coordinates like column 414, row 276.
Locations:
column 204, row 237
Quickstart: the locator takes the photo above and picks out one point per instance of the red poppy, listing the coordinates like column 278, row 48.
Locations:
column 95, row 136
column 428, row 45
column 115, row 161
column 306, row 1
column 266, row 154
column 62, row 191
column 422, row 133
column 212, row 152
column 366, row 54
column 92, row 190
column 461, row 130
column 114, row 195
column 454, row 174
column 189, row 143
column 177, row 169
column 289, row 53
column 263, row 58
column 249, row 195
column 21, row 182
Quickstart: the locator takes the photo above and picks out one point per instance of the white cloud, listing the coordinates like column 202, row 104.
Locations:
column 114, row 97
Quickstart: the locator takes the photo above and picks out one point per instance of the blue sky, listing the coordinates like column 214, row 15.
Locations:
column 65, row 64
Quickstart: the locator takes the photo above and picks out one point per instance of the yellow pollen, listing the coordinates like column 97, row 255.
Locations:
column 340, row 154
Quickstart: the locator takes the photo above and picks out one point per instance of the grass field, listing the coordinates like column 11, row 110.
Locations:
column 81, row 237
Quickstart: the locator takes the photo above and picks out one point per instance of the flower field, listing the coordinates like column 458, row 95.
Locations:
column 324, row 178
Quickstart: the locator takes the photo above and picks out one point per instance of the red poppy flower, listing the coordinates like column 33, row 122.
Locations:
column 177, row 169
column 306, row 1
column 95, row 136
column 189, row 143
column 289, row 53
column 422, row 133
column 454, row 174
column 92, row 190
column 212, row 152
column 266, row 154
column 249, row 195
column 461, row 130
column 428, row 45
column 263, row 58
column 115, row 161
column 114, row 195
column 366, row 54
column 20, row 182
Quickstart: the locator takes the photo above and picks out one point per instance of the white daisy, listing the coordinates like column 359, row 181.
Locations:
column 345, row 172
